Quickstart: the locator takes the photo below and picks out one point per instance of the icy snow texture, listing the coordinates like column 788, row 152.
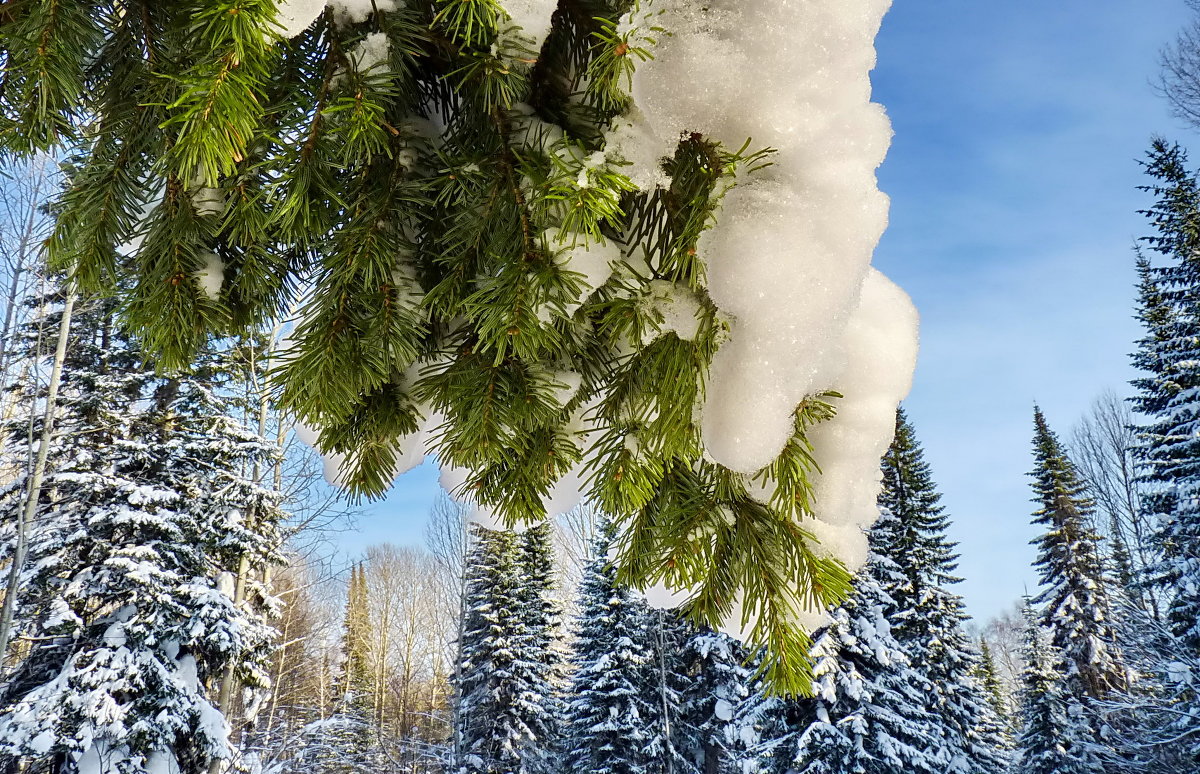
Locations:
column 212, row 276
column 872, row 366
column 789, row 257
column 631, row 141
column 371, row 52
column 678, row 307
column 792, row 244
column 355, row 11
column 533, row 17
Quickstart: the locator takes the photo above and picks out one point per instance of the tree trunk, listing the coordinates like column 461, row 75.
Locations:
column 34, row 490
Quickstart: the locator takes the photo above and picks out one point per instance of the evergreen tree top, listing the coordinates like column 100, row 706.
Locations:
column 915, row 535
column 1175, row 215
column 1058, row 489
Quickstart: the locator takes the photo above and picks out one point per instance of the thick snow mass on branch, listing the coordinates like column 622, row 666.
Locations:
column 788, row 257
column 212, row 276
column 792, row 243
column 593, row 261
column 873, row 368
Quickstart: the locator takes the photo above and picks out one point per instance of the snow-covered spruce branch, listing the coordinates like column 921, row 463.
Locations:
column 559, row 245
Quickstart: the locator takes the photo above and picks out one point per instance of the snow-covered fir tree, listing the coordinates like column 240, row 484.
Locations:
column 137, row 596
column 1168, row 450
column 926, row 617
column 620, row 709
column 542, row 639
column 869, row 714
column 766, row 723
column 505, row 678
column 1049, row 742
column 1075, row 606
column 717, row 731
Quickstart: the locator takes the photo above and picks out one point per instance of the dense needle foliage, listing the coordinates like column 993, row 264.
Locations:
column 431, row 188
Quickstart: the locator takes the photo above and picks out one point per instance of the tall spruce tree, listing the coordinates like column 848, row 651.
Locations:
column 505, row 678
column 1075, row 605
column 347, row 742
column 356, row 682
column 619, row 706
column 475, row 215
column 129, row 589
column 927, row 618
column 1168, row 450
column 869, row 713
column 990, row 680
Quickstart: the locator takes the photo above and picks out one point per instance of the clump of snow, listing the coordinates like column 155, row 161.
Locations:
column 208, row 202
column 533, row 17
column 791, row 246
column 356, row 11
column 567, row 386
column 162, row 762
column 409, row 294
column 371, row 52
column 211, row 723
column 212, row 276
column 873, row 369
column 593, row 259
column 638, row 150
column 788, row 258
column 61, row 615
column 295, row 16
column 42, row 743
column 677, row 307
column 568, row 492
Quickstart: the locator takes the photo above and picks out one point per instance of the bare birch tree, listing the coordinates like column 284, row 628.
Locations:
column 1101, row 447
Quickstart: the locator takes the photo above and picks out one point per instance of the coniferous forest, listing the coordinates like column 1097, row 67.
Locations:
column 606, row 264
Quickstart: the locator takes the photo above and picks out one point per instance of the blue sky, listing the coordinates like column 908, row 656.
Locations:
column 1013, row 180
